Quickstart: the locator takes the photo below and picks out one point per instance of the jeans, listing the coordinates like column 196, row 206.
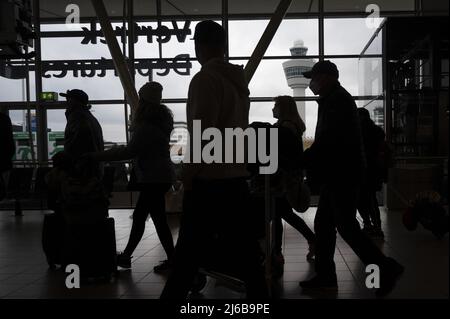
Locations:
column 284, row 211
column 337, row 210
column 217, row 233
column 151, row 200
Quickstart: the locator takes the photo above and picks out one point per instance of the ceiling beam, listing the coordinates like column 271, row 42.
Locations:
column 266, row 38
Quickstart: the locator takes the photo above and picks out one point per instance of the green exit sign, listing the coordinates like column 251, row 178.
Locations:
column 49, row 96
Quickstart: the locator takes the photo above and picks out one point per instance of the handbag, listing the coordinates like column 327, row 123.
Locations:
column 174, row 198
column 297, row 193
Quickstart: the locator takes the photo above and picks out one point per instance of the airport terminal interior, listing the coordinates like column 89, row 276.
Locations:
column 392, row 57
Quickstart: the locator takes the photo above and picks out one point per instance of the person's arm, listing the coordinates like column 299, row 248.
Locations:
column 124, row 152
column 204, row 105
column 336, row 133
column 117, row 153
column 320, row 148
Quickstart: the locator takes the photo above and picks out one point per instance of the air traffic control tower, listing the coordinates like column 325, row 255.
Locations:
column 293, row 70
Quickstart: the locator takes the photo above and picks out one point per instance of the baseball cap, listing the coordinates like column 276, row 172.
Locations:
column 76, row 94
column 209, row 32
column 151, row 92
column 322, row 67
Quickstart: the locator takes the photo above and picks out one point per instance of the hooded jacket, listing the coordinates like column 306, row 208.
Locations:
column 83, row 134
column 219, row 97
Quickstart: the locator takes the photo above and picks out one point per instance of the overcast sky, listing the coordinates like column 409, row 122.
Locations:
column 342, row 36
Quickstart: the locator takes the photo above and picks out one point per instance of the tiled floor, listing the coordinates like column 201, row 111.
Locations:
column 24, row 272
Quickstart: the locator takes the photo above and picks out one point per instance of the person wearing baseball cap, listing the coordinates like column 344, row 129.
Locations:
column 322, row 67
column 83, row 133
column 76, row 97
column 323, row 75
column 336, row 166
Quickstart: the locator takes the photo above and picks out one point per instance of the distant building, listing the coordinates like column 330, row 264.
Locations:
column 293, row 70
column 29, row 118
column 378, row 116
column 17, row 127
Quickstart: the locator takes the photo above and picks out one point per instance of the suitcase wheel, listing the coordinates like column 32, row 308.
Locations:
column 199, row 283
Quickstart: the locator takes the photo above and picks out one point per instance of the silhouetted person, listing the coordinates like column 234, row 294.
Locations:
column 83, row 134
column 285, row 111
column 215, row 210
column 7, row 151
column 337, row 162
column 373, row 140
column 61, row 171
column 149, row 148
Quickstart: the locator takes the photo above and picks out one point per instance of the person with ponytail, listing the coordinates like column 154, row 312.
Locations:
column 288, row 119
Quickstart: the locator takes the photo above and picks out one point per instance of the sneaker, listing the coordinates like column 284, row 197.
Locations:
column 311, row 252
column 390, row 272
column 124, row 261
column 199, row 283
column 164, row 266
column 318, row 282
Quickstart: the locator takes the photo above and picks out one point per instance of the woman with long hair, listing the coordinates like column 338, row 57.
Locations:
column 153, row 170
column 285, row 111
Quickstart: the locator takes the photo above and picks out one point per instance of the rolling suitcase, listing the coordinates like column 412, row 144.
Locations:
column 93, row 248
